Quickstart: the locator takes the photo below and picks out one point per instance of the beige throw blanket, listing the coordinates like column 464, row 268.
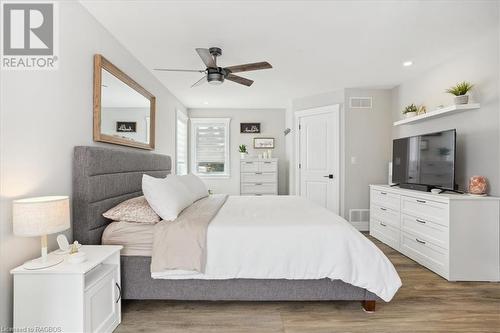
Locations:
column 182, row 244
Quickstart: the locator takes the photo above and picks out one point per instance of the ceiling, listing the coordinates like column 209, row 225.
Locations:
column 314, row 46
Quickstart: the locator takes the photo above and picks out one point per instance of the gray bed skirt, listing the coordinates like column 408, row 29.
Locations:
column 138, row 284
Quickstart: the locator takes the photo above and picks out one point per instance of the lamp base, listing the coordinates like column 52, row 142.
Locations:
column 40, row 263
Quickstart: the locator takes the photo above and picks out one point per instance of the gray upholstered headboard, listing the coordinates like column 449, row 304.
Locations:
column 104, row 177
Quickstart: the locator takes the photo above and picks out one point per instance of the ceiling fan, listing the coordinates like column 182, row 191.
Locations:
column 216, row 75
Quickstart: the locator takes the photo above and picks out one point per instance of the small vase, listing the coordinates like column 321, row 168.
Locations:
column 462, row 99
column 243, row 155
column 410, row 114
column 478, row 185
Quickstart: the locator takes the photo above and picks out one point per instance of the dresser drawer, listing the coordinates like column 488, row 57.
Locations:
column 258, row 177
column 259, row 188
column 249, row 166
column 425, row 209
column 386, row 199
column 425, row 252
column 434, row 232
column 386, row 215
column 268, row 166
column 385, row 233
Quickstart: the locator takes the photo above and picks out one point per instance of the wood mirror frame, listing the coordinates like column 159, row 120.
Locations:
column 101, row 63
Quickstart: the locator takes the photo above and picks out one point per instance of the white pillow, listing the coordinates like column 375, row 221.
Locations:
column 167, row 196
column 195, row 185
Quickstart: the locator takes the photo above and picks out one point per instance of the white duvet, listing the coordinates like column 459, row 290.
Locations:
column 289, row 237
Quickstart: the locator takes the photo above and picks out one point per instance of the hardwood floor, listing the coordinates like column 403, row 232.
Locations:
column 425, row 303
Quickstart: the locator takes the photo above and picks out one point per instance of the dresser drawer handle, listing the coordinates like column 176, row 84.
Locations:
column 258, row 173
column 382, row 208
column 257, row 194
column 267, row 162
column 384, row 193
column 248, row 162
column 420, row 221
column 419, row 241
column 258, row 183
column 119, row 292
column 421, row 201
column 382, row 224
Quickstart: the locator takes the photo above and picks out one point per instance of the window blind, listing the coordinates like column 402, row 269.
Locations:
column 182, row 144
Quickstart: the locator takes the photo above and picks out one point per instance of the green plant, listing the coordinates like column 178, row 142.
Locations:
column 460, row 89
column 410, row 108
column 243, row 148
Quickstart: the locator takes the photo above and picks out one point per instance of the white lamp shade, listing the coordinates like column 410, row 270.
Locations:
column 40, row 216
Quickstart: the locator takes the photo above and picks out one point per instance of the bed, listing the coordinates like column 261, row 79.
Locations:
column 104, row 177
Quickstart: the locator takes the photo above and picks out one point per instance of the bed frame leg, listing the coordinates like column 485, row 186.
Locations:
column 368, row 306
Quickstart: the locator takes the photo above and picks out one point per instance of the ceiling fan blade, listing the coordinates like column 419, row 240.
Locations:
column 179, row 70
column 199, row 82
column 249, row 67
column 207, row 58
column 239, row 79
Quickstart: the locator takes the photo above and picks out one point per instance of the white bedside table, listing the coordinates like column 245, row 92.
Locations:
column 73, row 297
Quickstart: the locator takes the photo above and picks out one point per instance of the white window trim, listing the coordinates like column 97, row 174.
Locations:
column 227, row 159
column 181, row 115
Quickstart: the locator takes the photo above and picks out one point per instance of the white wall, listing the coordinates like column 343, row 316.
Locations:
column 110, row 116
column 272, row 123
column 45, row 114
column 477, row 130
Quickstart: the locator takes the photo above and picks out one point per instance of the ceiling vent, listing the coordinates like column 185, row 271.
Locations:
column 360, row 102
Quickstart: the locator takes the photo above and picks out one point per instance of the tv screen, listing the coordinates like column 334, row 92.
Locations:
column 427, row 159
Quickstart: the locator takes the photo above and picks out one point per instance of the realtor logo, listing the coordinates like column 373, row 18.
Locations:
column 28, row 34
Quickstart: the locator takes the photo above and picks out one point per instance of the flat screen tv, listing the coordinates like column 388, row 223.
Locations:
column 425, row 161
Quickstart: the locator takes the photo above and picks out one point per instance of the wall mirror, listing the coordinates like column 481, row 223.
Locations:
column 124, row 112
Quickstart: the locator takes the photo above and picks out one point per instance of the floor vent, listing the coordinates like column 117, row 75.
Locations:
column 360, row 219
column 360, row 102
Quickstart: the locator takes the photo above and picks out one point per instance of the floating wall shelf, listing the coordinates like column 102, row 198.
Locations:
column 438, row 113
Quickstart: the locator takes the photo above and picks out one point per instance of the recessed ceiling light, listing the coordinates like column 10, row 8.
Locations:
column 408, row 63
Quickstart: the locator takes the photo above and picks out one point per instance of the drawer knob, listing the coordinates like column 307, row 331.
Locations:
column 267, row 162
column 382, row 224
column 258, row 173
column 382, row 208
column 419, row 241
column 384, row 193
column 258, row 183
column 421, row 201
column 420, row 221
column 249, row 162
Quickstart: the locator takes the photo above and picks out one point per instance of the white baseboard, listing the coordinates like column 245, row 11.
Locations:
column 361, row 226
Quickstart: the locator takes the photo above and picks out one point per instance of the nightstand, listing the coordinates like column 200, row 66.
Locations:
column 70, row 297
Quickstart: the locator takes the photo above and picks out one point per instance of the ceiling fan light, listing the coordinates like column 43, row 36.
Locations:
column 215, row 78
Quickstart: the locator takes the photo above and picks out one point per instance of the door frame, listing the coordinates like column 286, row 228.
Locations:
column 336, row 109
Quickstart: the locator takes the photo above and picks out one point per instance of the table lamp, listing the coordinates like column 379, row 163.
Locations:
column 41, row 216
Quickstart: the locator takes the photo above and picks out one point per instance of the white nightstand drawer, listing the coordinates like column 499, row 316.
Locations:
column 425, row 209
column 258, row 177
column 268, row 166
column 249, row 166
column 436, row 233
column 386, row 199
column 258, row 188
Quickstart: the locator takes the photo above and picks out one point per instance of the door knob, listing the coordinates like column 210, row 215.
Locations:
column 329, row 176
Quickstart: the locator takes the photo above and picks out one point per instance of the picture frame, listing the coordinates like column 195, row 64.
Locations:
column 250, row 128
column 263, row 143
column 126, row 126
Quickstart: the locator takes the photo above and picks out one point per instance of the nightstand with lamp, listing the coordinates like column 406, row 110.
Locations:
column 54, row 292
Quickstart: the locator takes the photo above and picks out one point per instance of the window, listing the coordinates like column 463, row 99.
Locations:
column 181, row 144
column 210, row 147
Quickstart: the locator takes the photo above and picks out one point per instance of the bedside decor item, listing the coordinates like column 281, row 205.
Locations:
column 41, row 216
column 77, row 257
column 410, row 111
column 460, row 91
column 422, row 109
column 478, row 185
column 243, row 151
column 250, row 128
column 263, row 143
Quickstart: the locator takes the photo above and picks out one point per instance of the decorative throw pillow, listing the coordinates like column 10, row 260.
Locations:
column 195, row 185
column 166, row 196
column 133, row 210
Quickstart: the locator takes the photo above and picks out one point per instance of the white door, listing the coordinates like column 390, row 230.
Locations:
column 319, row 155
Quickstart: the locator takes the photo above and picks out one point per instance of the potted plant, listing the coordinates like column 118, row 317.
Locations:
column 243, row 151
column 460, row 91
column 410, row 111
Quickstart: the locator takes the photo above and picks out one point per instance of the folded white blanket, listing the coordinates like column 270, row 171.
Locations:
column 289, row 237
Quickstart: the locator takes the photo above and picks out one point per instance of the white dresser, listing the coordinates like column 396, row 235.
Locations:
column 455, row 235
column 70, row 297
column 259, row 176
